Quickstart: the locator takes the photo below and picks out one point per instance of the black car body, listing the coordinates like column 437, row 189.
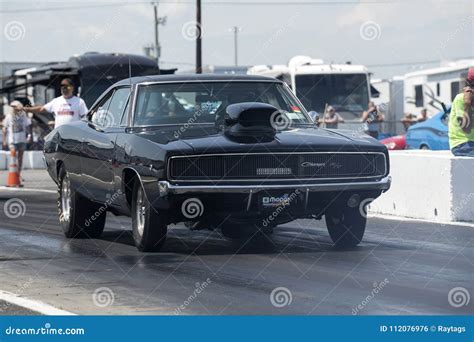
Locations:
column 238, row 153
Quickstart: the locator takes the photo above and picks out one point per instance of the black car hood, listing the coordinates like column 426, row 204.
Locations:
column 208, row 139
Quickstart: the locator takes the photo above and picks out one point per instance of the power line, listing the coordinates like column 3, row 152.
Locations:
column 368, row 65
column 434, row 61
column 216, row 2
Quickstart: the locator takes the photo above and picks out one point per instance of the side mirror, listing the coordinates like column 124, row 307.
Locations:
column 315, row 116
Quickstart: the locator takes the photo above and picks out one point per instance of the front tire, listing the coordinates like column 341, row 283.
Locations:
column 149, row 225
column 346, row 226
column 79, row 217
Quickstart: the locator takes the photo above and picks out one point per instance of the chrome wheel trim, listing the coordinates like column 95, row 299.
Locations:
column 65, row 199
column 140, row 211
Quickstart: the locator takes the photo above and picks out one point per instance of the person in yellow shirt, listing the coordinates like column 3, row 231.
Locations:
column 460, row 129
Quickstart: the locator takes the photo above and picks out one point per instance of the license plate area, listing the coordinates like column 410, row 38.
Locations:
column 271, row 200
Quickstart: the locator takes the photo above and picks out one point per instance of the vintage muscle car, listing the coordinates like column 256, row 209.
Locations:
column 238, row 153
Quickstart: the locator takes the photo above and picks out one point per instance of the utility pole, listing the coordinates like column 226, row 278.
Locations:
column 236, row 31
column 158, row 21
column 198, row 38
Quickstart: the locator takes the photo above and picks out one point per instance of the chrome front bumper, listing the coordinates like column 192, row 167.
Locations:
column 166, row 188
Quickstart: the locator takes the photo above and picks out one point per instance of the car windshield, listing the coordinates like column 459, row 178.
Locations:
column 205, row 102
column 345, row 92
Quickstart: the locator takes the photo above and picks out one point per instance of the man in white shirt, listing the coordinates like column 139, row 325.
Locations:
column 66, row 108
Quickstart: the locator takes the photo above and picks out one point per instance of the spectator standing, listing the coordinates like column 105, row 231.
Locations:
column 15, row 129
column 461, row 134
column 423, row 115
column 408, row 120
column 66, row 108
column 332, row 118
column 372, row 119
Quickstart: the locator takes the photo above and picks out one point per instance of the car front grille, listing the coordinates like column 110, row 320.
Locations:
column 277, row 166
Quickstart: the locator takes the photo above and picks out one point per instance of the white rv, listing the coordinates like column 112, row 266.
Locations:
column 428, row 88
column 346, row 87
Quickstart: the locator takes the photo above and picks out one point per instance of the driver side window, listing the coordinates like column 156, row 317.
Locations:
column 99, row 112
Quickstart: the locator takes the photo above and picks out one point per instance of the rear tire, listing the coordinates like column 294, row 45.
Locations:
column 346, row 226
column 149, row 225
column 79, row 217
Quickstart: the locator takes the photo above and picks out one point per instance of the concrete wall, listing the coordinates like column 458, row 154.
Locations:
column 3, row 160
column 432, row 185
column 31, row 160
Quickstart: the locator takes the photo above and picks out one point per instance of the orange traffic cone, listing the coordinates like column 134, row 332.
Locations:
column 13, row 178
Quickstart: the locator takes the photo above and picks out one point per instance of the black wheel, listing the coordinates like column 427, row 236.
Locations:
column 424, row 147
column 149, row 225
column 79, row 217
column 346, row 225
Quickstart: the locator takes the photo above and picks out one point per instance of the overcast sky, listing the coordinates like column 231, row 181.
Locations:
column 365, row 32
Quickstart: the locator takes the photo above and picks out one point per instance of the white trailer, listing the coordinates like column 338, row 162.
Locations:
column 428, row 88
column 390, row 97
column 346, row 87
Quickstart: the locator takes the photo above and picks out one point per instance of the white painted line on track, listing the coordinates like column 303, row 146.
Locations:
column 28, row 190
column 33, row 305
column 402, row 218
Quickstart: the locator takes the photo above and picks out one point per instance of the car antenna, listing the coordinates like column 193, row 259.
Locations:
column 130, row 73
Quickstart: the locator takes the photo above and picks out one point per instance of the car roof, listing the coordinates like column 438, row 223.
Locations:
column 194, row 78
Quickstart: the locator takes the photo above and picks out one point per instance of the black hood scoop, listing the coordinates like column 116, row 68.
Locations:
column 250, row 122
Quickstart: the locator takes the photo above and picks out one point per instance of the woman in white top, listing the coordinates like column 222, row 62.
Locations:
column 15, row 131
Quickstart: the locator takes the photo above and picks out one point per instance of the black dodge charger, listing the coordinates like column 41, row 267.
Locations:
column 234, row 153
